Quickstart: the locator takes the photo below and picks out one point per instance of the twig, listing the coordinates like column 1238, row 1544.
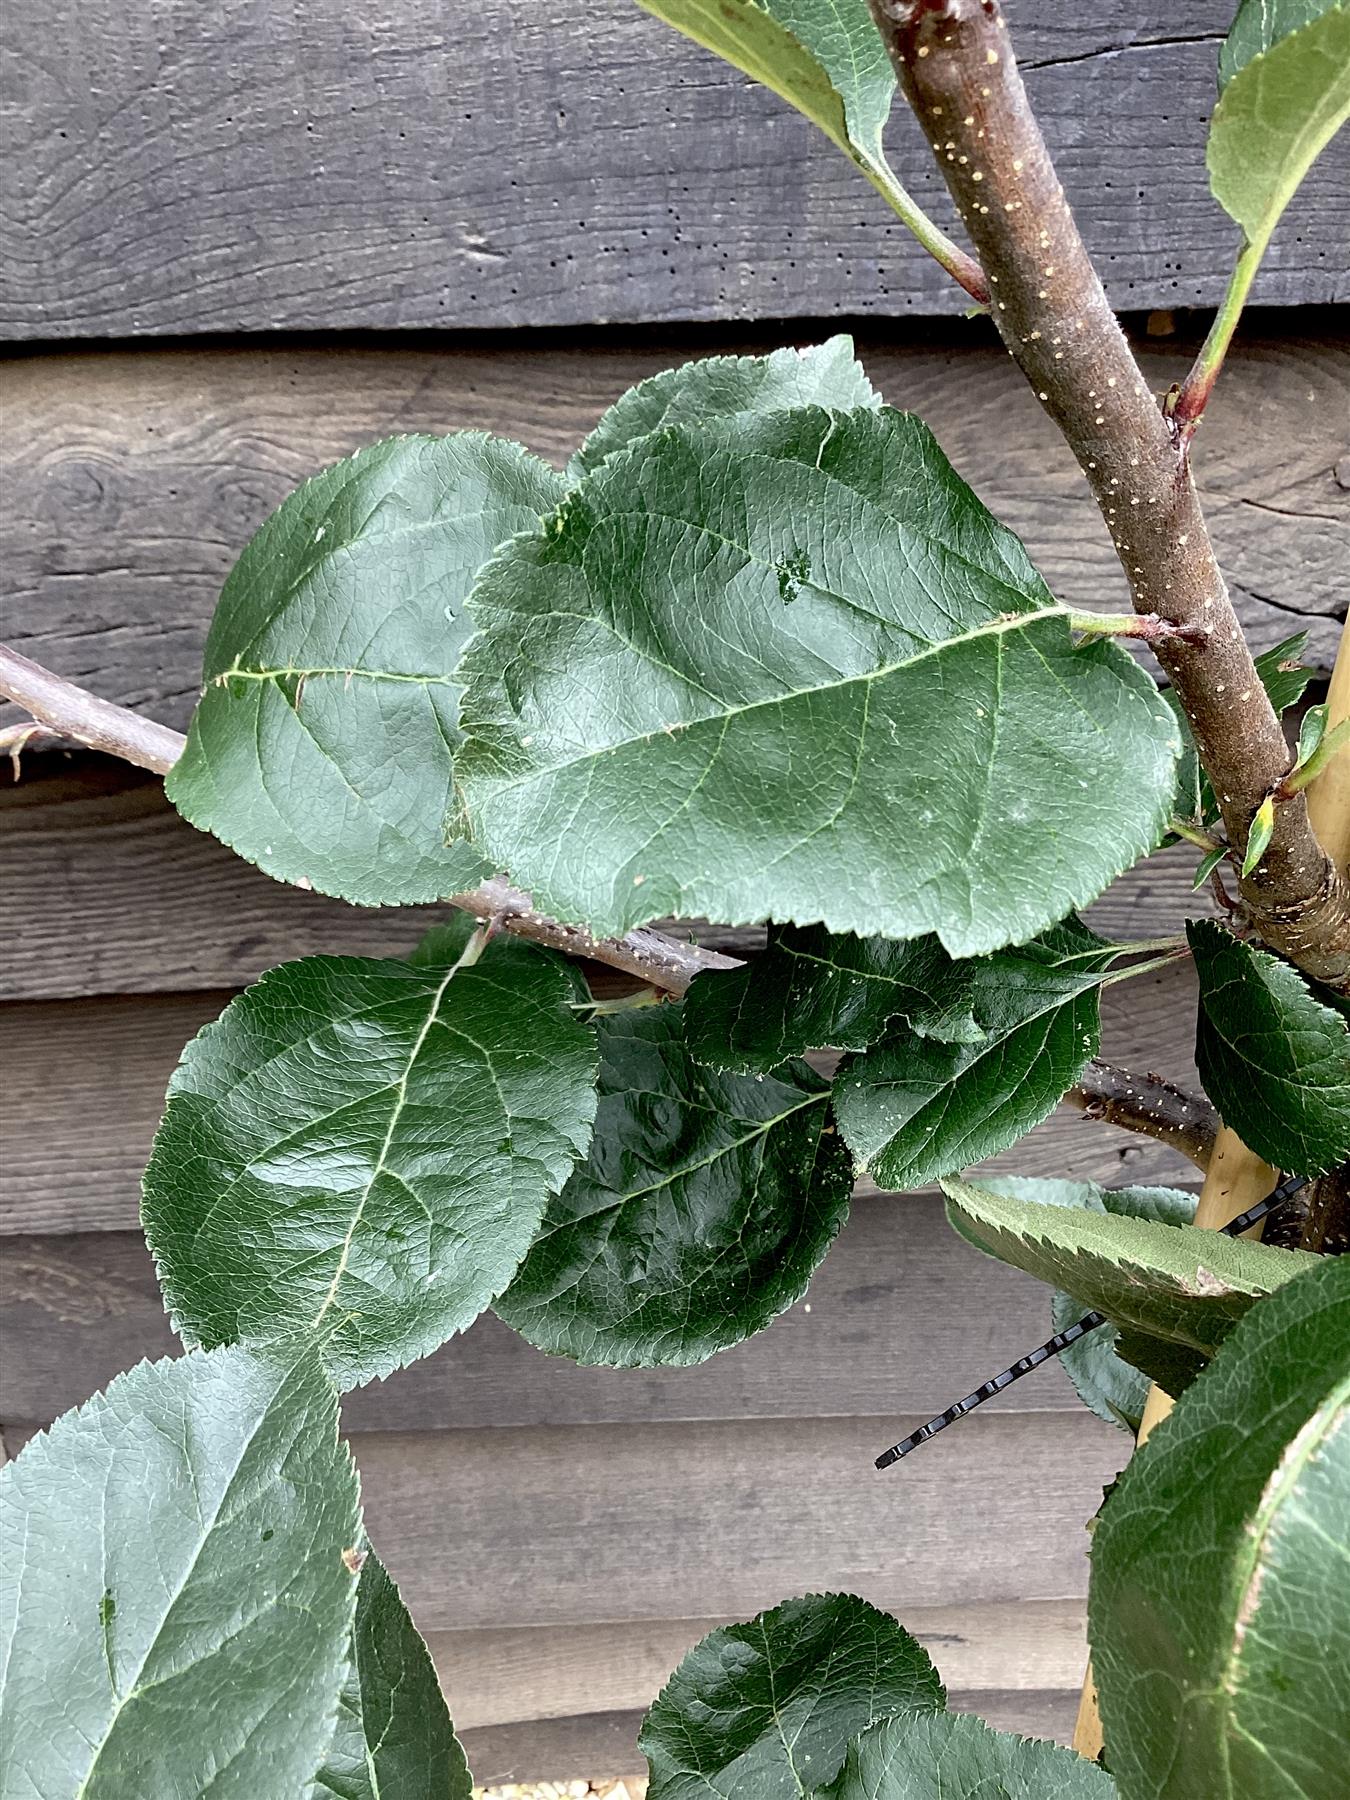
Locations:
column 28, row 737
column 1150, row 1105
column 960, row 76
column 75, row 714
column 652, row 956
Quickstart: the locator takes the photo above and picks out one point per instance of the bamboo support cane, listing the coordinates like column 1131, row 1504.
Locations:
column 1236, row 1178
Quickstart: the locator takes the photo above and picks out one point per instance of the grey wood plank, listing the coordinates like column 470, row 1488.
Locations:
column 134, row 479
column 604, row 1744
column 563, row 1526
column 555, row 1526
column 497, row 1677
column 192, row 169
column 85, row 1084
column 113, row 893
column 108, row 891
column 903, row 1316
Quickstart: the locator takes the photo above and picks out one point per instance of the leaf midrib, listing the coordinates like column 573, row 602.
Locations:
column 396, row 1112
column 989, row 629
column 133, row 1689
column 759, row 1132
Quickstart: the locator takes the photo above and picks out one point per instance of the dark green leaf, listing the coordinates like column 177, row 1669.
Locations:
column 812, row 989
column 366, row 1148
column 1284, row 674
column 1172, row 1367
column 1220, row 1609
column 707, row 1204
column 746, row 656
column 1206, row 867
column 766, row 1709
column 1285, row 76
column 952, row 1756
column 1175, row 1282
column 912, row 1108
column 720, row 387
column 1106, row 1384
column 175, row 1610
column 322, row 746
column 394, row 1739
column 1273, row 1058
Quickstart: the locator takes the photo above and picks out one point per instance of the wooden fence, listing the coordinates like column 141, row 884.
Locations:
column 242, row 239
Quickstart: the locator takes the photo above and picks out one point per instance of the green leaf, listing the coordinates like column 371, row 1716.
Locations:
column 1177, row 1283
column 394, row 1739
column 1274, row 1059
column 825, row 57
column 767, row 1708
column 1284, row 675
column 723, row 387
column 1285, row 75
column 708, row 1202
column 322, row 746
column 1261, row 24
column 952, row 1756
column 1106, row 1383
column 1172, row 1367
column 912, row 1108
column 1311, row 732
column 1206, row 867
column 811, row 989
column 175, row 1612
column 1260, row 834
column 366, row 1149
column 1219, row 1611
column 746, row 656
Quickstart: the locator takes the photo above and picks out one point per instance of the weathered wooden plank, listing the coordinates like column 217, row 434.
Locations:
column 902, row 1316
column 85, row 1085
column 548, row 1526
column 112, row 893
column 134, row 480
column 585, row 1744
column 563, row 1526
column 499, row 1677
column 605, row 1744
column 256, row 166
column 108, row 891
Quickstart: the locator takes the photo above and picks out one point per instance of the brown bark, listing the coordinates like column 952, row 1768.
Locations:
column 81, row 717
column 1147, row 1104
column 958, row 71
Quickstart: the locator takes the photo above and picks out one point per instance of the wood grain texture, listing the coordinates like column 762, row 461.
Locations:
column 581, row 1746
column 85, row 1081
column 902, row 1317
column 113, row 893
column 187, row 169
column 557, row 1527
column 502, row 1677
column 496, row 1677
column 108, row 891
column 134, row 479
column 554, row 1526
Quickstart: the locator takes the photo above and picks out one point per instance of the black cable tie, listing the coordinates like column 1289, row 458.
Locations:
column 1062, row 1339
